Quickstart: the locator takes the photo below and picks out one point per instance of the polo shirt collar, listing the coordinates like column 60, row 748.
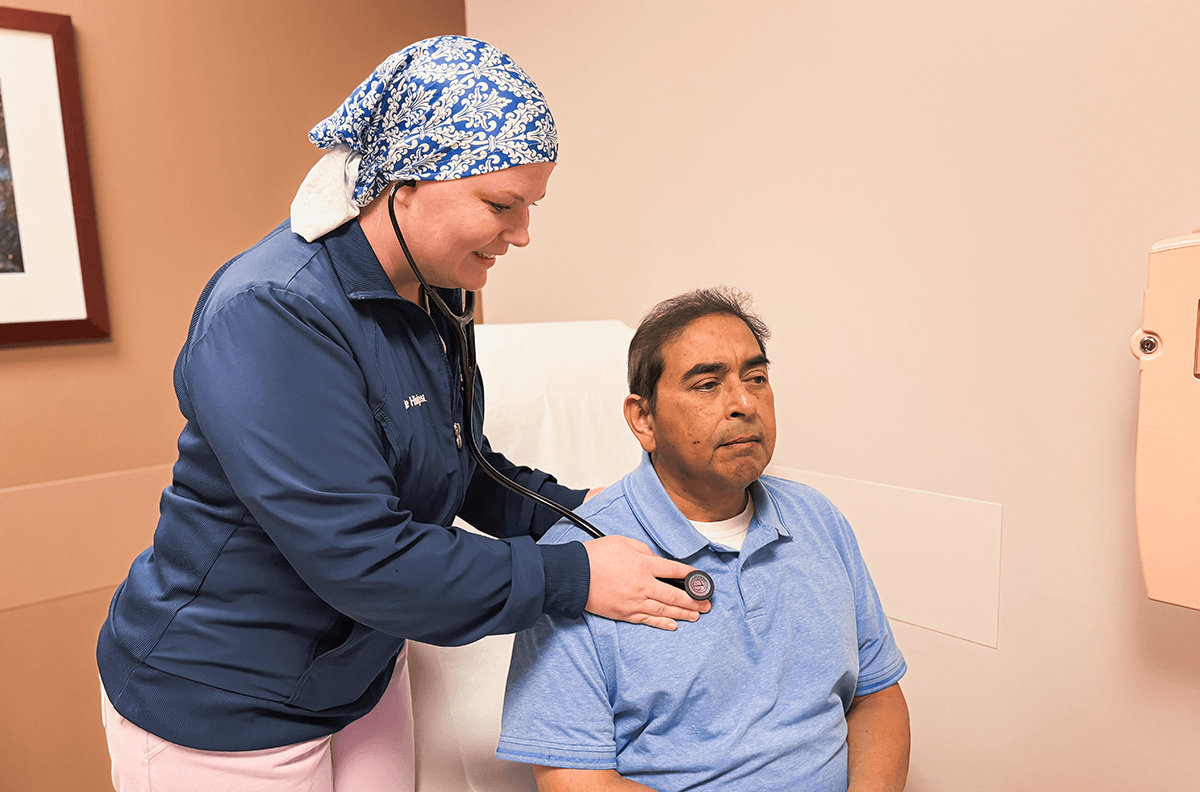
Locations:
column 666, row 526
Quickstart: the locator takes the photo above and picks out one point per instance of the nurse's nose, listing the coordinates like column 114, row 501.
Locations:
column 517, row 235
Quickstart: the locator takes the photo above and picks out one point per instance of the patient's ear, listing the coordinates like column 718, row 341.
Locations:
column 640, row 421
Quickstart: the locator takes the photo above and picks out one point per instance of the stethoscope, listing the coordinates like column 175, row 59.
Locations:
column 697, row 584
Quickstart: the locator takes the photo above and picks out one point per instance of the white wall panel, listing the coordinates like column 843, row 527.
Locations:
column 935, row 558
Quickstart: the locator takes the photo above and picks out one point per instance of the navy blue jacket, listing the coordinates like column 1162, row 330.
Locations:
column 305, row 533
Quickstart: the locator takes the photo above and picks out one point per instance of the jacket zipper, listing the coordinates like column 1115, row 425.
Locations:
column 453, row 373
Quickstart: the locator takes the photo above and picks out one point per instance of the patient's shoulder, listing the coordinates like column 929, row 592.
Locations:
column 609, row 512
column 799, row 506
column 794, row 493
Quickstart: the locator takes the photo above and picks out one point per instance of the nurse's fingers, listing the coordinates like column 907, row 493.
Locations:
column 625, row 586
column 663, row 614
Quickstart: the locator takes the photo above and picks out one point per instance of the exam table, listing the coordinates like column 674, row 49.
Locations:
column 554, row 392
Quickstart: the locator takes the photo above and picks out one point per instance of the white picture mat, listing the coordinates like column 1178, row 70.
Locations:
column 935, row 558
column 51, row 287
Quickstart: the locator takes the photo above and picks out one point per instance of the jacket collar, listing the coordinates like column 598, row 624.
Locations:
column 359, row 270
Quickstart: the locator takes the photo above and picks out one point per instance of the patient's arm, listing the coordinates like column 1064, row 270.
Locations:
column 562, row 779
column 878, row 741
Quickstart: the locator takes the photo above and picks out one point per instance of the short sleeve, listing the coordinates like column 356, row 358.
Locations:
column 880, row 663
column 557, row 708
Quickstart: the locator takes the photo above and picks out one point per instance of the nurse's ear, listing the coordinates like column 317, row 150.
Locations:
column 641, row 421
column 375, row 214
column 403, row 192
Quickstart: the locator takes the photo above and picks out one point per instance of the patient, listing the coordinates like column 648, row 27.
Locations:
column 791, row 681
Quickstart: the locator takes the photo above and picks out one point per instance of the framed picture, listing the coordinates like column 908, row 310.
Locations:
column 51, row 283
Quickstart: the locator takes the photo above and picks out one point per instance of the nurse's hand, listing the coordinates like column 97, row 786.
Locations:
column 624, row 585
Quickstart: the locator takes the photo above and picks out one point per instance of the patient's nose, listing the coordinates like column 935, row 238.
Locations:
column 742, row 402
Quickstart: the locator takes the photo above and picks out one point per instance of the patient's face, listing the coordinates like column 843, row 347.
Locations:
column 714, row 420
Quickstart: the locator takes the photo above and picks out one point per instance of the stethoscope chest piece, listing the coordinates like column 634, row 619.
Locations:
column 696, row 584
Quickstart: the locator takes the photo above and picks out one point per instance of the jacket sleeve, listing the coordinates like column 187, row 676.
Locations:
column 498, row 511
column 280, row 399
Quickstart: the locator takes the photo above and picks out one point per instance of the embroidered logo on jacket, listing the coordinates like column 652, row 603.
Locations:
column 415, row 400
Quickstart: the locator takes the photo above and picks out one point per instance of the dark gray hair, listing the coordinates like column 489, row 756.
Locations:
column 667, row 320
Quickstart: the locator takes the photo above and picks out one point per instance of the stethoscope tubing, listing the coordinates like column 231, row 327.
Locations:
column 697, row 584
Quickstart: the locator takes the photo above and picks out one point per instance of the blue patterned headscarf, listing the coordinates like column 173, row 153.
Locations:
column 443, row 108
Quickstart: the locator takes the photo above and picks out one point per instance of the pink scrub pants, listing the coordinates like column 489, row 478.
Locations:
column 373, row 754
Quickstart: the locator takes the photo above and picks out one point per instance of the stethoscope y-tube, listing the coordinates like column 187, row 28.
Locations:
column 698, row 585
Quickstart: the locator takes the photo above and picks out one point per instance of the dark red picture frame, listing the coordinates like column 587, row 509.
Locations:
column 96, row 325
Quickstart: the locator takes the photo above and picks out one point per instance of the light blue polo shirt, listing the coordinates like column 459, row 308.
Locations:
column 753, row 696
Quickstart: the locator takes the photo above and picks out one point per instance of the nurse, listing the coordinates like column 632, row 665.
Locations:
column 259, row 644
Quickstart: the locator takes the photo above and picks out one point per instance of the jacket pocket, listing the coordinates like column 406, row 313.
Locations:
column 343, row 674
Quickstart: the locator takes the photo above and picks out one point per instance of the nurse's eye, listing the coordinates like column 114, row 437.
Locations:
column 499, row 207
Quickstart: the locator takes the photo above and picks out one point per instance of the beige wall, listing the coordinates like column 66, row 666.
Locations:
column 944, row 211
column 196, row 116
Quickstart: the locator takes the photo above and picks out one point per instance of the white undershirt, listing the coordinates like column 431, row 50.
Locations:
column 731, row 532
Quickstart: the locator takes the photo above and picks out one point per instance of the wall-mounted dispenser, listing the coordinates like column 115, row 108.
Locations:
column 1167, row 486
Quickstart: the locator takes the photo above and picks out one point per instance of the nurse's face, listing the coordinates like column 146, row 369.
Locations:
column 457, row 229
